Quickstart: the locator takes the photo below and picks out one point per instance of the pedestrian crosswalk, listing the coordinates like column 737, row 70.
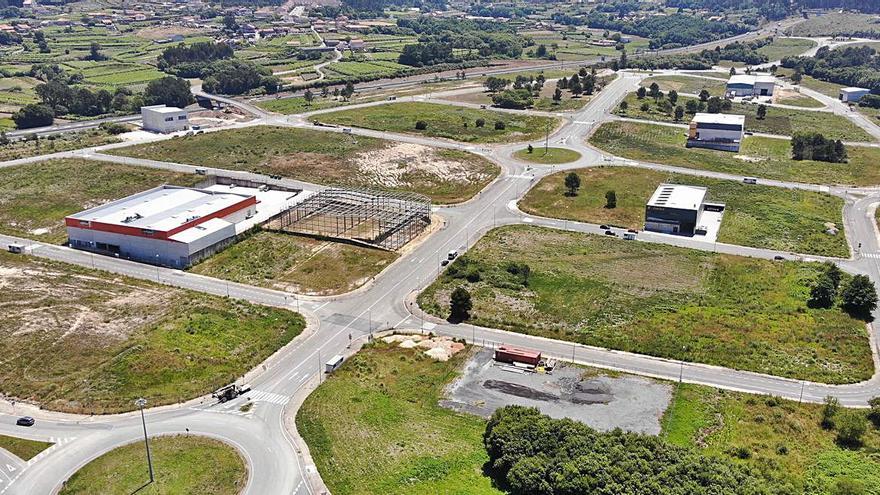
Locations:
column 262, row 396
column 875, row 256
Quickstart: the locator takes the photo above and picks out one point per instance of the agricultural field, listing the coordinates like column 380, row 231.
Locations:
column 676, row 303
column 759, row 157
column 757, row 216
column 782, row 438
column 786, row 47
column 687, row 84
column 89, row 342
column 35, row 198
column 445, row 121
column 576, row 45
column 547, row 156
column 18, row 91
column 295, row 263
column 183, row 464
column 56, row 143
column 375, row 426
column 22, row 448
column 780, row 121
column 447, row 176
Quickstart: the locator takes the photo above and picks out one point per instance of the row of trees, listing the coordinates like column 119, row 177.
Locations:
column 850, row 66
column 815, row 146
column 857, row 296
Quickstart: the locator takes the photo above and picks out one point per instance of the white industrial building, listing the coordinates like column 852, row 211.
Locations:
column 683, row 210
column 852, row 95
column 740, row 85
column 164, row 119
column 718, row 131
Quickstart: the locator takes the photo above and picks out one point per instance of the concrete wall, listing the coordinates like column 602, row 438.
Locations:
column 158, row 122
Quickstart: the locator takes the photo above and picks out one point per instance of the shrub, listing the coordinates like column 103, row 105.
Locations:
column 421, row 125
column 500, row 126
column 480, row 123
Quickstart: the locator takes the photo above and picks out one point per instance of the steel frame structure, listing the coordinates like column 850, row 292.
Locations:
column 382, row 219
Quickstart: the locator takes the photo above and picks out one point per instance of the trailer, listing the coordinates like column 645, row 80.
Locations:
column 513, row 355
column 333, row 363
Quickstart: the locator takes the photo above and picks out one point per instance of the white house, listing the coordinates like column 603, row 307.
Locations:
column 159, row 118
column 852, row 95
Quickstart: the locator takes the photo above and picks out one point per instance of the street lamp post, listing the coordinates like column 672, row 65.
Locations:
column 157, row 268
column 141, row 403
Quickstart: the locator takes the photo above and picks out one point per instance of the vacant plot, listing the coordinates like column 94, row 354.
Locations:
column 447, row 176
column 35, row 198
column 759, row 216
column 796, row 99
column 445, row 121
column 22, row 448
column 375, row 426
column 687, row 84
column 836, row 24
column 298, row 104
column 656, row 299
column 780, row 48
column 183, row 464
column 54, row 144
column 782, row 438
column 760, row 157
column 300, row 264
column 827, row 88
column 547, row 156
column 82, row 341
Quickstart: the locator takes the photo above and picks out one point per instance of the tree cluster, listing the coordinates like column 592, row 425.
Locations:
column 671, row 31
column 815, row 146
column 438, row 37
column 851, row 66
column 235, row 77
column 190, row 60
column 856, row 295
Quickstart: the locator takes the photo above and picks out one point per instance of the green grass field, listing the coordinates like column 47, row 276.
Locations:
column 547, row 156
column 22, row 448
column 758, row 216
column 183, row 464
column 782, row 438
column 660, row 300
column 786, row 47
column 301, row 264
column 827, row 88
column 444, row 121
column 54, row 144
column 375, row 426
column 835, row 24
column 447, row 176
column 799, row 100
column 35, row 198
column 298, row 104
column 82, row 341
column 760, row 157
column 687, row 84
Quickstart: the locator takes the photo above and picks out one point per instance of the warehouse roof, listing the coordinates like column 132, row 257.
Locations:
column 751, row 79
column 854, row 90
column 720, row 118
column 678, row 196
column 162, row 109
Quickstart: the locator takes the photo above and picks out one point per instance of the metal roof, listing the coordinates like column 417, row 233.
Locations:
column 678, row 196
column 720, row 118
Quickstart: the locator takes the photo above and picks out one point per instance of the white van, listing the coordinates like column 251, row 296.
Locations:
column 452, row 254
column 750, row 180
column 335, row 362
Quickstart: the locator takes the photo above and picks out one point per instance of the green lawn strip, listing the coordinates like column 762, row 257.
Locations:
column 55, row 144
column 757, row 216
column 375, row 426
column 547, row 156
column 799, row 100
column 782, row 438
column 781, row 121
column 328, row 158
column 298, row 104
column 35, row 197
column 760, row 157
column 660, row 300
column 183, row 464
column 445, row 121
column 301, row 264
column 23, row 448
column 687, row 84
column 105, row 340
column 786, row 47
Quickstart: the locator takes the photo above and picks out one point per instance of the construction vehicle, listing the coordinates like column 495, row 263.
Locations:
column 230, row 392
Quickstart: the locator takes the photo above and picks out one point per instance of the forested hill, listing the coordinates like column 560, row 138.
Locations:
column 777, row 9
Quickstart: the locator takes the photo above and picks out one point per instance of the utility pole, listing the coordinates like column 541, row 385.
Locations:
column 801, row 398
column 141, row 403
column 546, row 137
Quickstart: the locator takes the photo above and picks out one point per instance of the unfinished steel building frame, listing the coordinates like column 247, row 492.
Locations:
column 383, row 219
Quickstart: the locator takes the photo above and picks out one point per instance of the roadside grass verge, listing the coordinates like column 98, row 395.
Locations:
column 83, row 341
column 446, row 176
column 782, row 438
column 55, row 144
column 375, row 426
column 23, row 448
column 548, row 156
column 757, row 216
column 298, row 104
column 35, row 197
column 444, row 121
column 183, row 464
column 300, row 264
column 665, row 301
column 760, row 157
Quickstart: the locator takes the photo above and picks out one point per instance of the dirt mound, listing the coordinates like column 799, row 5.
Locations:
column 437, row 348
column 518, row 390
column 396, row 165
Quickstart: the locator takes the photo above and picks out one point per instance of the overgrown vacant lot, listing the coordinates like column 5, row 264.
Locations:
column 183, row 464
column 759, row 216
column 660, row 300
column 782, row 438
column 35, row 198
column 687, row 84
column 444, row 121
column 781, row 121
column 786, row 47
column 375, row 426
column 761, row 157
column 54, row 144
column 447, row 176
column 301, row 264
column 77, row 340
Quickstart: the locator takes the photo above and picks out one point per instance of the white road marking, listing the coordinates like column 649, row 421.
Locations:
column 262, row 396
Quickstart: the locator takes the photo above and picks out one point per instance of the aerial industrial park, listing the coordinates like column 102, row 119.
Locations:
column 374, row 247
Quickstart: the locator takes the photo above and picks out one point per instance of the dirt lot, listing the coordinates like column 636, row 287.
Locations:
column 603, row 401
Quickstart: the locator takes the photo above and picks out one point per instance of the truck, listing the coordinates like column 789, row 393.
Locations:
column 513, row 355
column 230, row 392
column 334, row 363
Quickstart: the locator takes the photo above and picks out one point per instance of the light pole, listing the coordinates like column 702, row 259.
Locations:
column 157, row 268
column 141, row 403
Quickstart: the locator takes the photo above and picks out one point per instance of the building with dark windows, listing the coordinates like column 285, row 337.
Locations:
column 717, row 131
column 682, row 210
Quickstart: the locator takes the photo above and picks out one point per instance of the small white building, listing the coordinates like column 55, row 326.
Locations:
column 683, row 210
column 852, row 95
column 718, row 131
column 160, row 118
column 741, row 85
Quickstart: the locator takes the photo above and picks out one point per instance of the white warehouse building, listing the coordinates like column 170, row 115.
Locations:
column 717, row 131
column 160, row 118
column 741, row 85
column 852, row 95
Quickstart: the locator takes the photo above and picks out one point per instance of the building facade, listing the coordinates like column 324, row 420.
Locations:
column 674, row 209
column 852, row 95
column 716, row 131
column 750, row 85
column 159, row 118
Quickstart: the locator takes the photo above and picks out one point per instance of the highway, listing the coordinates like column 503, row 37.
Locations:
column 263, row 435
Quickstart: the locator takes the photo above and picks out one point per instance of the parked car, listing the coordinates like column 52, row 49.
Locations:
column 452, row 254
column 444, row 262
column 633, row 231
column 25, row 421
column 604, row 227
column 779, row 257
column 608, row 232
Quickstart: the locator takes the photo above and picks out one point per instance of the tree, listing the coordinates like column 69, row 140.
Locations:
column 610, row 200
column 833, row 272
column 679, row 113
column 348, row 91
column 859, row 297
column 500, row 125
column 762, row 111
column 733, row 71
column 673, row 96
column 654, row 90
column 325, row 92
column 624, row 106
column 33, row 115
column 421, row 125
column 851, row 427
column 874, row 412
column 229, row 23
column 480, row 122
column 829, row 412
column 513, row 98
column 692, row 106
column 796, row 77
column 645, row 107
column 572, row 184
column 95, row 52
column 714, row 105
column 823, row 293
column 557, row 96
column 541, row 51
column 460, row 305
column 4, row 140
column 530, row 149
column 704, row 95
column 496, row 84
column 169, row 90
column 641, row 92
column 308, row 96
column 575, row 88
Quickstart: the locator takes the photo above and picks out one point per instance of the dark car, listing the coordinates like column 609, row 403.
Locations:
column 779, row 257
column 634, row 231
column 444, row 262
column 25, row 421
column 604, row 227
column 608, row 232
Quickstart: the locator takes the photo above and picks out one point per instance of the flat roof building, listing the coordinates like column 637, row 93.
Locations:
column 852, row 95
column 679, row 209
column 718, row 131
column 160, row 118
column 750, row 85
